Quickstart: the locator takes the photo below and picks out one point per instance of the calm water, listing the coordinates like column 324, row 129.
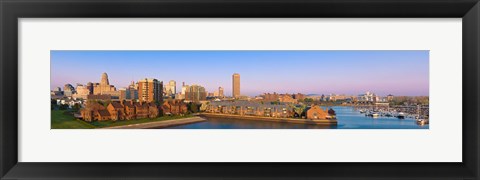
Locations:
column 347, row 118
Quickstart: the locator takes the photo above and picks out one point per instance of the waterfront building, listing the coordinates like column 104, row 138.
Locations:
column 116, row 111
column 236, row 85
column 195, row 93
column 129, row 110
column 102, row 115
column 316, row 112
column 90, row 111
column 285, row 110
column 124, row 110
column 368, row 97
column 250, row 108
column 68, row 90
column 104, row 86
column 270, row 97
column 286, row 98
column 174, row 107
column 146, row 110
column 150, row 90
column 335, row 97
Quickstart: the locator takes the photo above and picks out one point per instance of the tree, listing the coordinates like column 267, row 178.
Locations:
column 63, row 107
column 193, row 107
column 308, row 100
column 76, row 107
column 53, row 104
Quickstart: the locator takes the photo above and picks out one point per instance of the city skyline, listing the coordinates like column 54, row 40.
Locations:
column 308, row 72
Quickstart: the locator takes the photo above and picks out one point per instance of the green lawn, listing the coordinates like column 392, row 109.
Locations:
column 101, row 124
column 63, row 120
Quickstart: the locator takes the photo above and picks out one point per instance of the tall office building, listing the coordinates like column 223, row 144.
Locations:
column 181, row 94
column 132, row 91
column 150, row 90
column 171, row 88
column 104, row 86
column 236, row 85
column 220, row 92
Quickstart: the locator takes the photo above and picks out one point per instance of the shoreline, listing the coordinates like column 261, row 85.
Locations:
column 272, row 119
column 160, row 124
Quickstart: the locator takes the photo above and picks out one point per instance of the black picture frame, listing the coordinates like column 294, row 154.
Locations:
column 11, row 10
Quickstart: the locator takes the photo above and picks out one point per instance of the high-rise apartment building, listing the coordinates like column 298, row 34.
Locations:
column 150, row 90
column 236, row 85
column 195, row 93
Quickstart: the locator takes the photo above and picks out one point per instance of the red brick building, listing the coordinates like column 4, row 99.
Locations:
column 174, row 107
column 125, row 110
column 316, row 112
column 116, row 110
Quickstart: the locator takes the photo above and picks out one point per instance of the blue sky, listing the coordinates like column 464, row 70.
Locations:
column 308, row 72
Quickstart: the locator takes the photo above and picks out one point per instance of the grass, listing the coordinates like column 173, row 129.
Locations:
column 102, row 124
column 65, row 120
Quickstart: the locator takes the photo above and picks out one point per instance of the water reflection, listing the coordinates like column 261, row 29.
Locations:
column 347, row 117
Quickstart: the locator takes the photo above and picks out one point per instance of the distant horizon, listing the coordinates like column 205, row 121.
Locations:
column 396, row 72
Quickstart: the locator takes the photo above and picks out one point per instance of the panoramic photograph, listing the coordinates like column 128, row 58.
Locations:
column 239, row 89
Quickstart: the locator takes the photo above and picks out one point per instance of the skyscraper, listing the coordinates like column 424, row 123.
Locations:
column 236, row 85
column 150, row 90
column 171, row 88
column 220, row 92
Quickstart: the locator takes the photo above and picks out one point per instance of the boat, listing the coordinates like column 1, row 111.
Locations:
column 375, row 115
column 401, row 115
column 368, row 114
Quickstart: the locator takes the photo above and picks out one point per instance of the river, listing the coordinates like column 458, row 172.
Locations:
column 347, row 118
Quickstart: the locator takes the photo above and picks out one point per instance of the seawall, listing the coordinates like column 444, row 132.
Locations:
column 272, row 119
column 160, row 124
